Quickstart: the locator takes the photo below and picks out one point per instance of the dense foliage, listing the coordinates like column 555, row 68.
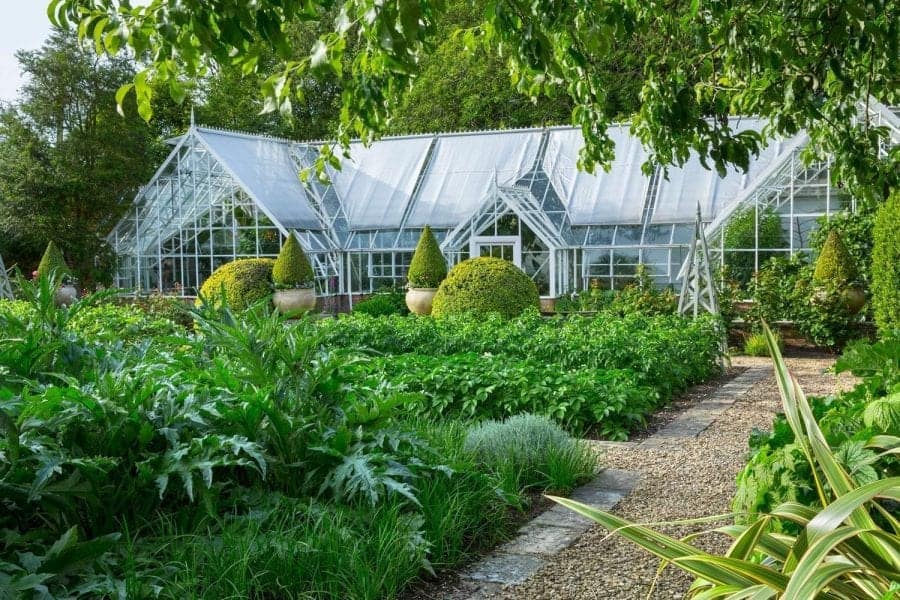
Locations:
column 236, row 460
column 840, row 541
column 53, row 262
column 742, row 233
column 292, row 268
column 383, row 303
column 834, row 265
column 850, row 422
column 714, row 59
column 603, row 373
column 609, row 402
column 239, row 284
column 428, row 268
column 638, row 297
column 886, row 266
column 485, row 285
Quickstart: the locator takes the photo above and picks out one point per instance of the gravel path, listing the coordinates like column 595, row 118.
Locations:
column 691, row 480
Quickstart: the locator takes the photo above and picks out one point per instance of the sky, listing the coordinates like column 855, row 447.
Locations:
column 24, row 25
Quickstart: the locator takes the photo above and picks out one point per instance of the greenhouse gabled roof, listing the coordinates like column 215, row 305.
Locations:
column 441, row 180
column 377, row 183
column 265, row 169
column 693, row 184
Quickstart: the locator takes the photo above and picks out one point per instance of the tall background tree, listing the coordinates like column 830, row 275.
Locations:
column 69, row 161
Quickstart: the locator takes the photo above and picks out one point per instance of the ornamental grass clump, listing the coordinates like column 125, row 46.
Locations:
column 486, row 285
column 848, row 546
column 292, row 268
column 533, row 450
column 428, row 267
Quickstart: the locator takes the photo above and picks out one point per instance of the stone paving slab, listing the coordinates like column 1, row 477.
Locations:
column 549, row 533
column 695, row 420
column 504, row 568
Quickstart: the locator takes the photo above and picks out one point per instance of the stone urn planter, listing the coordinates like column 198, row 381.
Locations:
column 854, row 299
column 419, row 300
column 294, row 300
column 66, row 295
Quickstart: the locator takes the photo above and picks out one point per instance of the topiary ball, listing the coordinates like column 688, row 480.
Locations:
column 427, row 268
column 485, row 285
column 243, row 282
column 834, row 265
column 292, row 268
column 886, row 266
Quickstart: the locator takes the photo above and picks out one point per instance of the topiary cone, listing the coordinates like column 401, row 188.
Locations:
column 834, row 265
column 53, row 261
column 428, row 267
column 292, row 268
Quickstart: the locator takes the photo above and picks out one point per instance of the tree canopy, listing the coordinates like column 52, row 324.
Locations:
column 806, row 64
column 68, row 160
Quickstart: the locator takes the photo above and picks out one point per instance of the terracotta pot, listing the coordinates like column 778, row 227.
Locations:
column 66, row 295
column 294, row 300
column 418, row 300
column 855, row 299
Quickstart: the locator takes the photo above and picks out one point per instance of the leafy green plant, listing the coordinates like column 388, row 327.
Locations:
column 485, row 285
column 534, row 449
column 238, row 284
column 834, row 266
column 383, row 303
column 667, row 353
column 886, row 266
column 428, row 267
column 53, row 262
column 841, row 551
column 292, row 268
column 757, row 345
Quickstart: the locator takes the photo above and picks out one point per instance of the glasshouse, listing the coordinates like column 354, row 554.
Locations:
column 514, row 194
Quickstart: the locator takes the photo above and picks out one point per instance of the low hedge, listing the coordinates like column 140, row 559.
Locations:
column 485, row 285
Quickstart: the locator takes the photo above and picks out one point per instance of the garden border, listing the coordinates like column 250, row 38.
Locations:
column 558, row 528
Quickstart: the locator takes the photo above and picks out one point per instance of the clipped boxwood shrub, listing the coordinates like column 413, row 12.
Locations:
column 835, row 265
column 53, row 260
column 243, row 283
column 485, row 285
column 886, row 265
column 428, row 268
column 292, row 268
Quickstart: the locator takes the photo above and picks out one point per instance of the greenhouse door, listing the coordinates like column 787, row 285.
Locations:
column 507, row 247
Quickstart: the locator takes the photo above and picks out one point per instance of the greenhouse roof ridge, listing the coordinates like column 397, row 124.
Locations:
column 405, row 136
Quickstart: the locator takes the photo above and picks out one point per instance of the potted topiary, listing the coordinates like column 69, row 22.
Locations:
column 836, row 273
column 293, row 278
column 54, row 264
column 426, row 272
